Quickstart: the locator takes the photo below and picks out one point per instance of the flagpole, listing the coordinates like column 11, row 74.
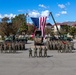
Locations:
column 26, row 18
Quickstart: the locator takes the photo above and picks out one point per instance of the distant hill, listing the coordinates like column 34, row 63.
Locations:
column 63, row 23
column 70, row 23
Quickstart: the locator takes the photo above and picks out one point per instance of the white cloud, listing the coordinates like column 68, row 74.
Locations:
column 64, row 12
column 45, row 13
column 47, row 18
column 7, row 15
column 1, row 16
column 61, row 13
column 21, row 10
column 34, row 14
column 68, row 3
column 57, row 15
column 38, row 14
column 41, row 5
column 62, row 6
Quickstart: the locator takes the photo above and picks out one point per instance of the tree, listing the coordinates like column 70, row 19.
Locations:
column 72, row 31
column 5, row 19
column 65, row 29
column 49, row 31
column 11, row 27
column 5, row 27
column 23, row 27
column 17, row 22
column 30, row 29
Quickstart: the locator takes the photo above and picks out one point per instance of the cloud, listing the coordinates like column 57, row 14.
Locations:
column 21, row 10
column 61, row 13
column 68, row 3
column 7, row 15
column 1, row 16
column 62, row 6
column 57, row 15
column 64, row 12
column 34, row 14
column 45, row 13
column 41, row 5
column 38, row 14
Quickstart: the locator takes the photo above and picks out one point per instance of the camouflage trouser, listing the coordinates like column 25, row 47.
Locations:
column 45, row 53
column 40, row 54
column 10, row 49
column 16, row 47
column 1, row 49
column 35, row 54
column 70, row 48
column 30, row 54
column 5, row 48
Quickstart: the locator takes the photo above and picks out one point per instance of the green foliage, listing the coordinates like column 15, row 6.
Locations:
column 7, row 28
column 49, row 31
column 30, row 29
column 19, row 23
column 23, row 27
column 5, row 19
column 72, row 31
column 65, row 29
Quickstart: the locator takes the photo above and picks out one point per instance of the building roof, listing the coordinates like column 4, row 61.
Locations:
column 48, row 24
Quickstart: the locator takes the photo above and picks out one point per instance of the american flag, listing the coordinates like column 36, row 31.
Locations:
column 40, row 24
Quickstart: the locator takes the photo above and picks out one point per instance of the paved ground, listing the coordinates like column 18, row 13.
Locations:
column 55, row 64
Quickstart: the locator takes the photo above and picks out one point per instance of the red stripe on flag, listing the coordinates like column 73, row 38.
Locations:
column 42, row 24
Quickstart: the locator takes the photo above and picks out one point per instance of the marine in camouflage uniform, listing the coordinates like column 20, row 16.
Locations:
column 35, row 51
column 16, row 46
column 66, row 48
column 70, row 46
column 5, row 47
column 62, row 47
column 40, row 51
column 53, row 44
column 21, row 45
column 1, row 48
column 13, row 47
column 45, row 52
column 10, row 47
column 30, row 52
column 58, row 46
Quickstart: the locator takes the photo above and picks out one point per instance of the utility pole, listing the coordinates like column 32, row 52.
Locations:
column 55, row 23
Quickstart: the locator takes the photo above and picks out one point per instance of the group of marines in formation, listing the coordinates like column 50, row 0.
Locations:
column 41, row 51
column 12, row 46
column 61, row 46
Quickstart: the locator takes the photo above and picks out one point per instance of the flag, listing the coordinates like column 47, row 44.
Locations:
column 35, row 21
column 40, row 24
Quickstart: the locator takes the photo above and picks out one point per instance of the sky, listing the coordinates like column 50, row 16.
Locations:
column 62, row 10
